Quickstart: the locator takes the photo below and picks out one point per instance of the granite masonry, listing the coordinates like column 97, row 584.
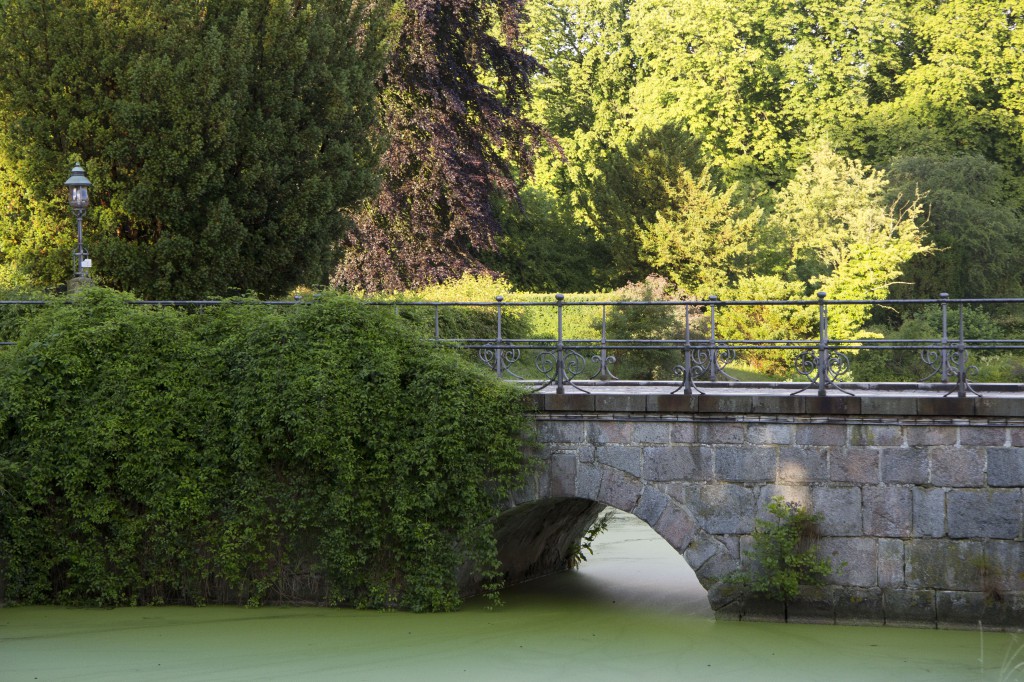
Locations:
column 922, row 497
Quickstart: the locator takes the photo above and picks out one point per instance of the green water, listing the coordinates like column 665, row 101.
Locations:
column 633, row 612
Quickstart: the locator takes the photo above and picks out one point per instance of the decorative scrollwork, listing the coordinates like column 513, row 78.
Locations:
column 573, row 365
column 500, row 359
column 604, row 363
column 807, row 364
column 934, row 360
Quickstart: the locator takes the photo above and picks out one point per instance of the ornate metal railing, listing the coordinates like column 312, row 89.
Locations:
column 819, row 362
column 691, row 351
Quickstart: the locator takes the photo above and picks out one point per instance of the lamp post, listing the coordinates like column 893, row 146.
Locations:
column 78, row 196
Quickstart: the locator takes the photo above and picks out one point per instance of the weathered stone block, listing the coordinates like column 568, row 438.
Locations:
column 1006, row 467
column 1017, row 437
column 702, row 548
column 929, row 512
column 812, row 605
column 726, row 509
column 585, row 453
column 620, row 403
column 904, row 465
column 992, row 514
column 859, row 606
column 674, row 463
column 1002, row 568
column 677, row 526
column 946, row 407
column 957, row 467
column 888, row 511
column 876, row 434
column 677, row 403
column 588, row 480
column 930, row 435
column 840, row 509
column 563, row 475
column 832, row 404
column 652, row 432
column 778, row 404
column 854, row 465
column 550, row 431
column 821, row 434
column 801, row 494
column 802, row 464
column 760, row 610
column 770, row 434
column 685, row 493
column 626, row 458
column 890, row 563
column 652, row 503
column 745, row 464
column 983, row 435
column 604, row 432
column 958, row 608
column 854, row 560
column 727, row 404
column 943, row 564
column 909, row 607
column 683, row 432
column 888, row 405
column 728, row 433
column 619, row 490
column 568, row 402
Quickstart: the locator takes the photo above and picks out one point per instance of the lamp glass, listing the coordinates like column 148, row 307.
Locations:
column 79, row 196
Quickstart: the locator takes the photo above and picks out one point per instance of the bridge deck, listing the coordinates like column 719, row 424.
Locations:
column 994, row 401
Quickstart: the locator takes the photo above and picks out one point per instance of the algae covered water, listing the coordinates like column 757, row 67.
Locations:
column 634, row 611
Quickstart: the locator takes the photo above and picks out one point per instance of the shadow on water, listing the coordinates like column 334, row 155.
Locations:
column 634, row 611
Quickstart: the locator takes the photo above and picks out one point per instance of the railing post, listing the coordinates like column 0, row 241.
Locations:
column 604, row 342
column 714, row 342
column 437, row 322
column 944, row 298
column 499, row 355
column 687, row 355
column 822, row 344
column 961, row 365
column 560, row 349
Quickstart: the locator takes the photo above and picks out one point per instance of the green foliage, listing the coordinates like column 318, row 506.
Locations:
column 223, row 139
column 246, row 453
column 578, row 553
column 975, row 216
column 784, row 554
column 637, row 324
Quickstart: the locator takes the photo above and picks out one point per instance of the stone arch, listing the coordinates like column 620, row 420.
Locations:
column 547, row 519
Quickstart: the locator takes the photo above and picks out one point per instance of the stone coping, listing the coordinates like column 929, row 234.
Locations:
column 912, row 400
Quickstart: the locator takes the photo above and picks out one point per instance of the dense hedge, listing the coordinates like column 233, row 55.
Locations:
column 245, row 453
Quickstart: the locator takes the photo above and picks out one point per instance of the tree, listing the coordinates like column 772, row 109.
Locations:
column 704, row 240
column 756, row 80
column 453, row 96
column 975, row 210
column 848, row 238
column 223, row 139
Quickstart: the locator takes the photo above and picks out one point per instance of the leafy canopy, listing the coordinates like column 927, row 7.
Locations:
column 223, row 139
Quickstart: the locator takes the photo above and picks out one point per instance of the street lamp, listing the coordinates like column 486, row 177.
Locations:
column 78, row 196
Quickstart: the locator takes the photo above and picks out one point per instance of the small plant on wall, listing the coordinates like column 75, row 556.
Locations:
column 784, row 554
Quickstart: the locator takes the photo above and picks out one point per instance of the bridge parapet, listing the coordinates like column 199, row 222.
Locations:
column 922, row 497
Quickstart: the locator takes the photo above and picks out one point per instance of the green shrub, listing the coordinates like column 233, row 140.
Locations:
column 246, row 453
column 784, row 554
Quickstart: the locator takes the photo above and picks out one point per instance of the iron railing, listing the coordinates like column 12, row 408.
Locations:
column 692, row 349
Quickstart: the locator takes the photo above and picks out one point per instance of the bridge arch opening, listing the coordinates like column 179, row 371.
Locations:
column 631, row 563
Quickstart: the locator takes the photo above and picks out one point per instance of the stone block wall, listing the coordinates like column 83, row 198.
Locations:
column 923, row 517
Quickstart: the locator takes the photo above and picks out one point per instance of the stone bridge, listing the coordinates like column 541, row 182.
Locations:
column 922, row 495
